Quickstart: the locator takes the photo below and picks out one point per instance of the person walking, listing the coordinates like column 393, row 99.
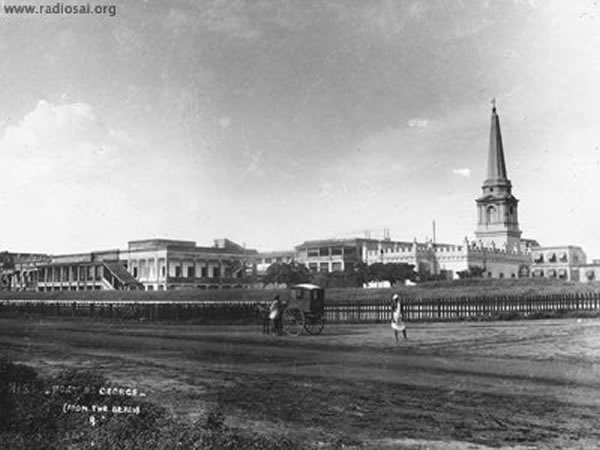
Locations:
column 398, row 317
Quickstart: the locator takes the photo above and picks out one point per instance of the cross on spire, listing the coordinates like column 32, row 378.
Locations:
column 493, row 102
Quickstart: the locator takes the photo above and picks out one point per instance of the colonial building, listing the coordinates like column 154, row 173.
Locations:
column 86, row 272
column 589, row 272
column 330, row 255
column 558, row 262
column 19, row 271
column 265, row 259
column 151, row 264
column 169, row 264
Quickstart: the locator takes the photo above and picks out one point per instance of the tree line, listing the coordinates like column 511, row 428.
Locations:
column 355, row 275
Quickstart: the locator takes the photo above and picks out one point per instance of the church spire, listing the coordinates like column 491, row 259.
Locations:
column 497, row 224
column 496, row 165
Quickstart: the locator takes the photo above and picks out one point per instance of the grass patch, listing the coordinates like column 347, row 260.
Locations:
column 433, row 289
column 32, row 416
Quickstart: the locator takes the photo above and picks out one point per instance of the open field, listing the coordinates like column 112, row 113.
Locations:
column 438, row 289
column 530, row 384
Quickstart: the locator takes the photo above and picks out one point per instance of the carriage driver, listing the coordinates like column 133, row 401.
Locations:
column 275, row 315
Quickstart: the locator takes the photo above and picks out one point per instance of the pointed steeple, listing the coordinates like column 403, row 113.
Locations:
column 497, row 224
column 496, row 164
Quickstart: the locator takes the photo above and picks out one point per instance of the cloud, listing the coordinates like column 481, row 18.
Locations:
column 69, row 175
column 62, row 141
column 418, row 123
column 64, row 174
column 466, row 172
column 41, row 125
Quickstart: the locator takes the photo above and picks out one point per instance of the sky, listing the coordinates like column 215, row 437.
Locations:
column 274, row 122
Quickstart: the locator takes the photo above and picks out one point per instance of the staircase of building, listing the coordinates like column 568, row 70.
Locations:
column 116, row 277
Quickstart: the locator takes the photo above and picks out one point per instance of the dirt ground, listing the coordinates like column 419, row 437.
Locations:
column 526, row 384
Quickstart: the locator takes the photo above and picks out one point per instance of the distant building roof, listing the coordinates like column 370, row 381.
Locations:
column 558, row 247
column 275, row 254
column 220, row 246
column 154, row 243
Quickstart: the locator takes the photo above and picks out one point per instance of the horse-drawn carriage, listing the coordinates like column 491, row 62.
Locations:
column 304, row 310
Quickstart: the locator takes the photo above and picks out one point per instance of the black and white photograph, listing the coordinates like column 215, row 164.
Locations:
column 299, row 224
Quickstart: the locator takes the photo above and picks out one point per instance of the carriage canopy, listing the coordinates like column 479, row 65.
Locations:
column 309, row 297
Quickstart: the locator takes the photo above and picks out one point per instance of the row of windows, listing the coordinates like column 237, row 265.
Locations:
column 191, row 272
column 550, row 273
column 331, row 251
column 143, row 271
column 324, row 267
column 147, row 272
column 553, row 257
column 276, row 260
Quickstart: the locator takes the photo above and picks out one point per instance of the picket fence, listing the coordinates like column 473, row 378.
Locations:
column 338, row 311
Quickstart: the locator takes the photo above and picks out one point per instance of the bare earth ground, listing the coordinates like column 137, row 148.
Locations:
column 529, row 384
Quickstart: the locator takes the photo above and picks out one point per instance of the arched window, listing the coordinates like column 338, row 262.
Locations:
column 490, row 214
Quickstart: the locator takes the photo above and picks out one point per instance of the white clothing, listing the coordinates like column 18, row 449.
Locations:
column 274, row 310
column 397, row 323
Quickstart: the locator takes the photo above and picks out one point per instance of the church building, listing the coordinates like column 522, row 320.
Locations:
column 497, row 249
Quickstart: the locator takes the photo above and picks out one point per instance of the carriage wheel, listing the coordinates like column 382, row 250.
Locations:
column 314, row 325
column 293, row 321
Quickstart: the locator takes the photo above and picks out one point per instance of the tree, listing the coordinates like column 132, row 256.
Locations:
column 284, row 273
column 471, row 272
column 235, row 268
column 357, row 274
column 392, row 272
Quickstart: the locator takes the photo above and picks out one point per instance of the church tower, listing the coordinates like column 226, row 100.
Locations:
column 497, row 224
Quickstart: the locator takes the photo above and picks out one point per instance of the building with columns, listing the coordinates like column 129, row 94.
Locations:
column 170, row 264
column 93, row 271
column 151, row 264
column 19, row 271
